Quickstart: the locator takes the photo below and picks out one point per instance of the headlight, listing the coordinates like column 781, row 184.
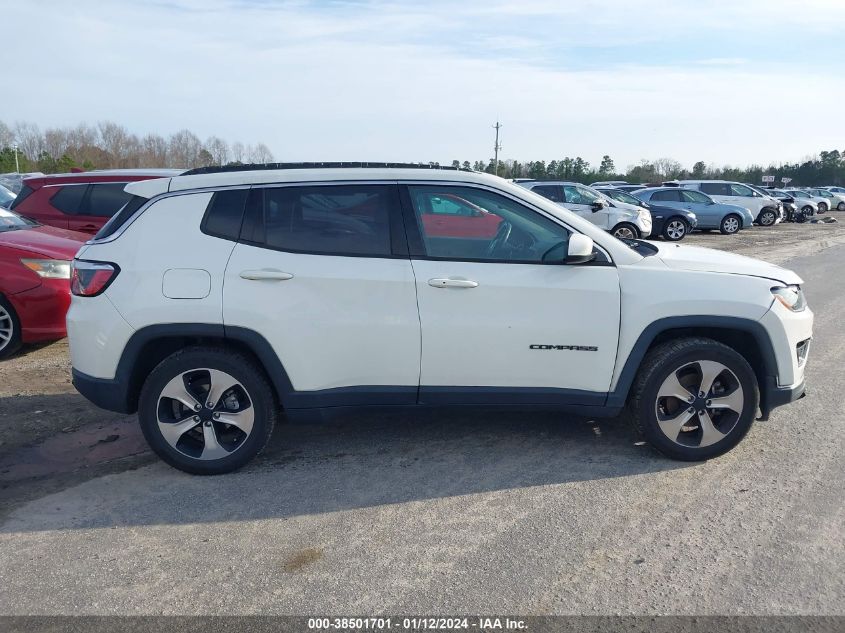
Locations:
column 792, row 297
column 49, row 268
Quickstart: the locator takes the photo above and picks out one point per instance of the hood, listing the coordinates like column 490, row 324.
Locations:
column 711, row 260
column 47, row 241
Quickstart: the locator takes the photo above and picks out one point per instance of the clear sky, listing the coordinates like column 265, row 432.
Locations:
column 727, row 82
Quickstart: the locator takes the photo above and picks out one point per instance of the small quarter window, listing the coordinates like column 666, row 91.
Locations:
column 225, row 213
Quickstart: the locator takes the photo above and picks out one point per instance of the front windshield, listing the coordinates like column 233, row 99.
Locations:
column 12, row 221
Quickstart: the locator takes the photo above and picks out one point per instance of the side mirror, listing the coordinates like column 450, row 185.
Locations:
column 598, row 205
column 580, row 249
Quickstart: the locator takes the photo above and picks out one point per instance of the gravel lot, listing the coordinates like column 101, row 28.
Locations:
column 433, row 513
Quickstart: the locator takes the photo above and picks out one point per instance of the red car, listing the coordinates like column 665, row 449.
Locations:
column 80, row 202
column 449, row 215
column 34, row 280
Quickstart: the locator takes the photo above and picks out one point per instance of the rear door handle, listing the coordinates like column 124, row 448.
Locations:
column 452, row 283
column 265, row 275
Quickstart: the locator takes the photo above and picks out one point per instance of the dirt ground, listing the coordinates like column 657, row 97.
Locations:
column 52, row 437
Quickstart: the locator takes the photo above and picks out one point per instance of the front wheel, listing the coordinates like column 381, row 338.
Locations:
column 730, row 224
column 10, row 329
column 207, row 411
column 675, row 229
column 767, row 217
column 822, row 207
column 626, row 231
column 840, row 206
column 694, row 398
column 808, row 210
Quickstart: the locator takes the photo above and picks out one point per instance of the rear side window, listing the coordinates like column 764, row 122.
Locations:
column 69, row 198
column 121, row 217
column 715, row 188
column 552, row 192
column 225, row 213
column 104, row 200
column 24, row 193
column 668, row 195
column 327, row 220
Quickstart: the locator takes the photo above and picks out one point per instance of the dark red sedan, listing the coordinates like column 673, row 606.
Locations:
column 34, row 280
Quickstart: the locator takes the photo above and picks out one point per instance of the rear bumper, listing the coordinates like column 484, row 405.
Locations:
column 106, row 393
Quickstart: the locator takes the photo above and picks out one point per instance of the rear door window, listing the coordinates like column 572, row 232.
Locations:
column 668, row 195
column 104, row 200
column 552, row 192
column 715, row 188
column 325, row 220
column 68, row 198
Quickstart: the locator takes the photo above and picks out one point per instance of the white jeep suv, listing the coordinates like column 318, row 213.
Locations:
column 215, row 299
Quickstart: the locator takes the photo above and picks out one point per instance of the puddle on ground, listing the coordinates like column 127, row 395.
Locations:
column 67, row 452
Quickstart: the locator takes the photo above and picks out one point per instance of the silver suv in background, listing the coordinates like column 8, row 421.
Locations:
column 624, row 221
column 766, row 210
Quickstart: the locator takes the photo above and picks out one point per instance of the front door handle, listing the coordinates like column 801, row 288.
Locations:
column 452, row 283
column 265, row 275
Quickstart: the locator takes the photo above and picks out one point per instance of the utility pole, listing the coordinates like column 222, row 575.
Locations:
column 17, row 165
column 496, row 147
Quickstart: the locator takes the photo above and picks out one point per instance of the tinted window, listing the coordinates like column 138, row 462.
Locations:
column 621, row 196
column 669, row 195
column 552, row 192
column 715, row 188
column 23, row 194
column 104, row 200
column 225, row 213
column 331, row 220
column 121, row 217
column 695, row 196
column 504, row 231
column 68, row 198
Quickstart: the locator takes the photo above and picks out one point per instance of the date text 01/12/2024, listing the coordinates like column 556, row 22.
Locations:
column 417, row 623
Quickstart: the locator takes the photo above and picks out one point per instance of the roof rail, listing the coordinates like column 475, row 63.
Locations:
column 341, row 165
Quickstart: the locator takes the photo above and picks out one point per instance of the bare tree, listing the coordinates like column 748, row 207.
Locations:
column 153, row 151
column 238, row 151
column 260, row 154
column 7, row 139
column 668, row 168
column 184, row 150
column 29, row 139
column 219, row 150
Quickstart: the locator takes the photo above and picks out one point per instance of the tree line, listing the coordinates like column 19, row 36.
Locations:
column 108, row 145
column 828, row 168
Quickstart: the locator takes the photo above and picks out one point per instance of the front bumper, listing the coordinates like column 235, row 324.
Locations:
column 771, row 395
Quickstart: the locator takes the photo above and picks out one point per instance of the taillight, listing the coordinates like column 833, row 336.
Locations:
column 88, row 279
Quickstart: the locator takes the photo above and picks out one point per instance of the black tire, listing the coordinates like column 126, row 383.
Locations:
column 625, row 228
column 808, row 210
column 259, row 396
column 675, row 356
column 767, row 217
column 675, row 229
column 840, row 206
column 730, row 224
column 10, row 326
column 823, row 208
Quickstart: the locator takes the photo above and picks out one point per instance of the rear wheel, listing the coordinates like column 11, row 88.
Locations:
column 694, row 398
column 730, row 224
column 10, row 329
column 207, row 411
column 675, row 229
column 840, row 206
column 626, row 231
column 823, row 207
column 767, row 217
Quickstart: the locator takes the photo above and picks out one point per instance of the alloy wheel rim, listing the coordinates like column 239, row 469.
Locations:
column 731, row 225
column 676, row 229
column 625, row 233
column 7, row 328
column 767, row 219
column 699, row 403
column 205, row 414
